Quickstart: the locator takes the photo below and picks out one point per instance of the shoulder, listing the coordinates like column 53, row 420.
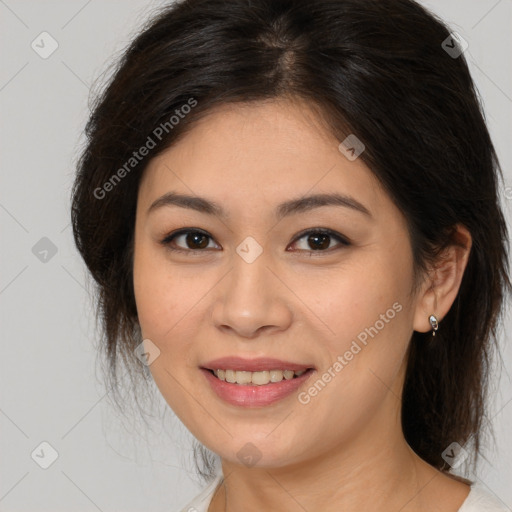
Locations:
column 481, row 500
column 201, row 502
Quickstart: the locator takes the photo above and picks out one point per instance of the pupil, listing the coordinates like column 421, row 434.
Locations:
column 192, row 238
column 324, row 238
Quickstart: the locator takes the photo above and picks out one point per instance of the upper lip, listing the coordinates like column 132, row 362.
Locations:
column 253, row 365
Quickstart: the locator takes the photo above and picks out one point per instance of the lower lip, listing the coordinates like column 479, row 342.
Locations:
column 245, row 395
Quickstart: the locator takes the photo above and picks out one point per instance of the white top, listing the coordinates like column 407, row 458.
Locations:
column 478, row 499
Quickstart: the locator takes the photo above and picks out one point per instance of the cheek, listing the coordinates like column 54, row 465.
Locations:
column 162, row 294
column 170, row 303
column 365, row 310
column 152, row 292
column 164, row 307
column 350, row 301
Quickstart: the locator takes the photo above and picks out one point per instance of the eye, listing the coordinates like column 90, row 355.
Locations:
column 319, row 240
column 194, row 240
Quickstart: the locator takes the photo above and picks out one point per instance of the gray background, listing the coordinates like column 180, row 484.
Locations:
column 51, row 388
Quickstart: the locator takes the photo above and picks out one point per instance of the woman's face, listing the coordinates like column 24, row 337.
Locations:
column 255, row 285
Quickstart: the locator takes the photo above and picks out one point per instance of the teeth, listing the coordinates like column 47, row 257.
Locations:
column 243, row 377
column 288, row 374
column 256, row 378
column 276, row 376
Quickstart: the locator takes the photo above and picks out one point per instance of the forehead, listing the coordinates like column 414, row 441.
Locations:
column 259, row 153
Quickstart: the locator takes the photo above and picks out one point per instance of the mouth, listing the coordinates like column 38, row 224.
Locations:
column 256, row 382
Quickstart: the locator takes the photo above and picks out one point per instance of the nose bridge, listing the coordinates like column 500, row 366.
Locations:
column 246, row 286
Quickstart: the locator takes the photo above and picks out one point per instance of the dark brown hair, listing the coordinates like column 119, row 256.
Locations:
column 374, row 68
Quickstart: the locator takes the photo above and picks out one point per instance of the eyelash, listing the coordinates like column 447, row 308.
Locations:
column 322, row 231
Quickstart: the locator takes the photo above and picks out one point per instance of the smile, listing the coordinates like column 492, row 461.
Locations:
column 261, row 378
column 261, row 392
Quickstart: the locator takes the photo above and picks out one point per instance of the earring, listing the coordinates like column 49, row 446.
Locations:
column 433, row 322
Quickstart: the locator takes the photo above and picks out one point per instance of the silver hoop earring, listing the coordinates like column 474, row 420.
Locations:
column 434, row 324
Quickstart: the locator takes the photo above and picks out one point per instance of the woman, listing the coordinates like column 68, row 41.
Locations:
column 291, row 212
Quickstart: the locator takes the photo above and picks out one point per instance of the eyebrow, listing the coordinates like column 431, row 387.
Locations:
column 293, row 206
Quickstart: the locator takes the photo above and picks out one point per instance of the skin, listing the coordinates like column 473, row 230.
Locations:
column 344, row 450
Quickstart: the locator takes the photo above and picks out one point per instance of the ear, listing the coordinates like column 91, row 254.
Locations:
column 440, row 288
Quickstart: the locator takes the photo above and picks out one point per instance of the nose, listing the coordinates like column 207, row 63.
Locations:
column 252, row 300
